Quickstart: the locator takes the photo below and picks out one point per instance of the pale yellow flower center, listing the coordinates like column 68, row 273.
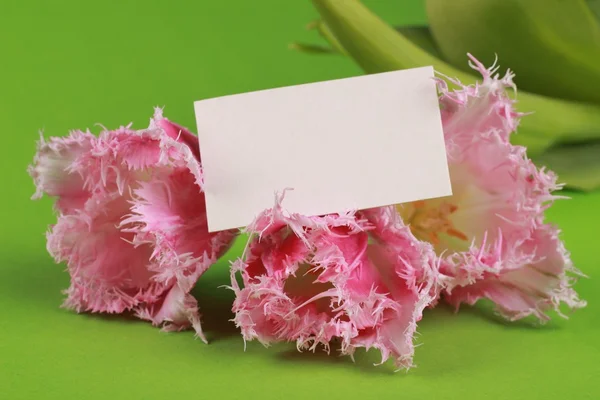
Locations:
column 427, row 220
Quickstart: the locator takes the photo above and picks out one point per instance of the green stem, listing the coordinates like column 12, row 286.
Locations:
column 377, row 47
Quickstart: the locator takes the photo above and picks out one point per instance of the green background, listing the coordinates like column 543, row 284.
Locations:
column 66, row 65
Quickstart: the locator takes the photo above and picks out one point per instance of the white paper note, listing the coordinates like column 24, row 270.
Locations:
column 352, row 143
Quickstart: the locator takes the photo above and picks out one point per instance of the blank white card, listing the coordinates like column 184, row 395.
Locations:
column 345, row 144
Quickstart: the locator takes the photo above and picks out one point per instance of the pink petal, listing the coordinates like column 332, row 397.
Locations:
column 489, row 232
column 139, row 241
column 52, row 170
column 482, row 107
column 169, row 214
column 176, row 132
column 177, row 310
column 121, row 157
column 536, row 277
column 313, row 279
column 108, row 274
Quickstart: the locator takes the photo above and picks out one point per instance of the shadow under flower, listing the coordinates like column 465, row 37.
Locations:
column 35, row 282
column 124, row 318
column 215, row 302
column 363, row 361
column 485, row 310
column 39, row 284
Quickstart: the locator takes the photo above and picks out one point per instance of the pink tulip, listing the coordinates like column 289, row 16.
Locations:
column 360, row 278
column 131, row 223
column 491, row 232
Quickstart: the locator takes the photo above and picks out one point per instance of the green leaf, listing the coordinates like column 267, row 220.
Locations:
column 334, row 46
column 556, row 121
column 594, row 5
column 552, row 45
column 373, row 44
column 419, row 35
column 377, row 47
column 313, row 48
column 422, row 37
column 578, row 165
column 326, row 33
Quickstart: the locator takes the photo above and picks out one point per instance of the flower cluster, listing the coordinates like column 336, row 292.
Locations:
column 132, row 229
column 365, row 278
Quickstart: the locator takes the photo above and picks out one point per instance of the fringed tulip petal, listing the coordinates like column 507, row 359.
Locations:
column 362, row 278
